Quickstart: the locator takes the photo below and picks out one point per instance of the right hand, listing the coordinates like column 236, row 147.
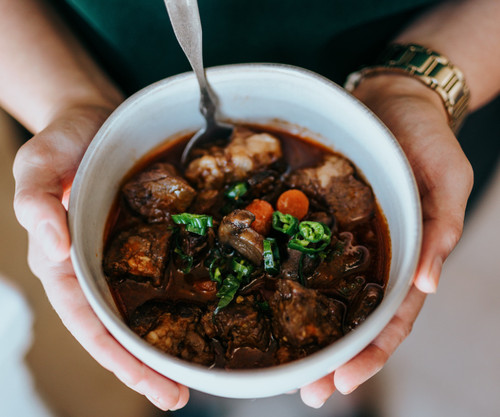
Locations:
column 44, row 170
column 416, row 116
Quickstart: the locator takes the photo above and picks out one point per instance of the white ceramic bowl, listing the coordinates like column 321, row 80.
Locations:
column 257, row 93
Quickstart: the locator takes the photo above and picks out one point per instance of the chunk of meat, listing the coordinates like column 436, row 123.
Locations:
column 251, row 153
column 246, row 153
column 210, row 171
column 175, row 330
column 236, row 232
column 302, row 316
column 140, row 253
column 207, row 201
column 334, row 182
column 239, row 325
column 268, row 184
column 194, row 245
column 322, row 217
column 299, row 266
column 290, row 269
column 157, row 192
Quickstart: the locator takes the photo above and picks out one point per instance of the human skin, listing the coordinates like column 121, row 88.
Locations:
column 51, row 85
column 467, row 32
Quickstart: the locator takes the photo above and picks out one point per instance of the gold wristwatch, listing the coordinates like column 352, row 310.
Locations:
column 431, row 68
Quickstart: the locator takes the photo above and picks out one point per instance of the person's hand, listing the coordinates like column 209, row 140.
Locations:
column 417, row 118
column 44, row 169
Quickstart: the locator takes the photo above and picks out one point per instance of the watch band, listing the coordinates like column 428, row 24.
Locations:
column 431, row 68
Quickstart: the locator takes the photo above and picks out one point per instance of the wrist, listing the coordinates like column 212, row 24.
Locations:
column 91, row 108
column 432, row 69
column 377, row 89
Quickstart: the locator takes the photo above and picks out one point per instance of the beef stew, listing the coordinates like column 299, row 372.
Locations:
column 259, row 252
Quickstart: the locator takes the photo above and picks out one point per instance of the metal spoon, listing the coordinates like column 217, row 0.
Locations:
column 185, row 19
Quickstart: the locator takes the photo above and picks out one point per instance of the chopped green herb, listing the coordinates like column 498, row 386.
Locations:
column 241, row 267
column 285, row 223
column 227, row 291
column 216, row 276
column 271, row 256
column 215, row 263
column 195, row 223
column 229, row 272
column 187, row 260
column 235, row 191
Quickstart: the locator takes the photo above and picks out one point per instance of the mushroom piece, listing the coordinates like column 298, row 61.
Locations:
column 236, row 232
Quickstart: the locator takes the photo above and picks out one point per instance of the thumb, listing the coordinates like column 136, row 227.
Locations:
column 38, row 206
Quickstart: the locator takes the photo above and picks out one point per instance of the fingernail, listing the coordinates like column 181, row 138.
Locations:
column 428, row 282
column 176, row 408
column 347, row 391
column 352, row 389
column 48, row 237
column 318, row 405
column 435, row 273
column 156, row 402
column 312, row 401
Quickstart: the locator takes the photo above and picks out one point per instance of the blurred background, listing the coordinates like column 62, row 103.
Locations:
column 449, row 366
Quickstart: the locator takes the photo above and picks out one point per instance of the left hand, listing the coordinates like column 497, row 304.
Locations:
column 44, row 170
column 417, row 118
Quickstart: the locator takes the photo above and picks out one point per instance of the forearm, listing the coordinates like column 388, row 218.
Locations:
column 45, row 70
column 468, row 33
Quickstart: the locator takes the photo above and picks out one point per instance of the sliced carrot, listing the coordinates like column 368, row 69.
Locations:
column 293, row 202
column 263, row 212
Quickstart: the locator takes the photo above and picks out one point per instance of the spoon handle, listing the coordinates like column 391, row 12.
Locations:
column 185, row 18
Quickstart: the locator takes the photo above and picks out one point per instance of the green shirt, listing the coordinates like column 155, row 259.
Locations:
column 135, row 41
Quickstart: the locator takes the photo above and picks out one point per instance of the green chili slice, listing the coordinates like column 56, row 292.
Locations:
column 285, row 223
column 312, row 237
column 271, row 256
column 195, row 223
column 312, row 231
column 237, row 190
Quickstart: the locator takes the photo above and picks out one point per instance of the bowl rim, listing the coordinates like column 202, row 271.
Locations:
column 121, row 331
